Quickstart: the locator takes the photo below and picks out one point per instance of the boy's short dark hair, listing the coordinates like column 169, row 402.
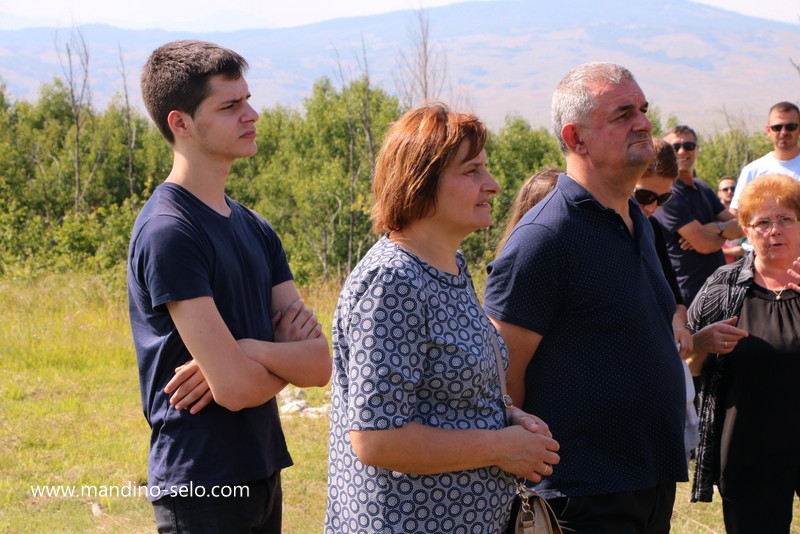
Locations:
column 175, row 77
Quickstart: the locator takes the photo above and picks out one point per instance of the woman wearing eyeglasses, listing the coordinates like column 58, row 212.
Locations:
column 750, row 405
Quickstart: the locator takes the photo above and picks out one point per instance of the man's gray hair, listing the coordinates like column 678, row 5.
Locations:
column 573, row 101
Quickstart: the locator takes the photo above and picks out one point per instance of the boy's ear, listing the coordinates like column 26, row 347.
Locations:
column 180, row 123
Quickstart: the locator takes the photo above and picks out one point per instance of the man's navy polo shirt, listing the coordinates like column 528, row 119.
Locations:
column 606, row 377
column 689, row 204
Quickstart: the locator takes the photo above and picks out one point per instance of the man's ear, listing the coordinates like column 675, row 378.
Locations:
column 179, row 122
column 571, row 135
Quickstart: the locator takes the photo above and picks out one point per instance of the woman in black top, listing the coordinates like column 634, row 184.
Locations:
column 750, row 406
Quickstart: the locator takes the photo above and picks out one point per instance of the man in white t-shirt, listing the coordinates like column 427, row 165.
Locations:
column 782, row 128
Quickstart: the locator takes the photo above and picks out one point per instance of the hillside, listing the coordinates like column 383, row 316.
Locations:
column 694, row 61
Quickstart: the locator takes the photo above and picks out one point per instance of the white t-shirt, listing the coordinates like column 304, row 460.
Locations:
column 765, row 165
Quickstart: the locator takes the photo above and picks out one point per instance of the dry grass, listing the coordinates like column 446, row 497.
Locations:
column 70, row 415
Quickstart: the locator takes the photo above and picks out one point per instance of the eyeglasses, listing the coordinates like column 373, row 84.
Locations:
column 727, row 189
column 645, row 197
column 790, row 127
column 765, row 225
column 687, row 145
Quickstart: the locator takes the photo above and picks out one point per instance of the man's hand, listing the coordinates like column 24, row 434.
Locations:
column 685, row 245
column 190, row 388
column 683, row 338
column 296, row 323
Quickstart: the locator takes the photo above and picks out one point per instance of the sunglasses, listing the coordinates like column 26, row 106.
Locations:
column 687, row 145
column 790, row 127
column 727, row 189
column 645, row 197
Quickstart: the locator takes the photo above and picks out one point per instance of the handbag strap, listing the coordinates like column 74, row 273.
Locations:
column 505, row 399
column 527, row 495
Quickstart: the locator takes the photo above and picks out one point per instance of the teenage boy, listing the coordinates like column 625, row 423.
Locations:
column 217, row 321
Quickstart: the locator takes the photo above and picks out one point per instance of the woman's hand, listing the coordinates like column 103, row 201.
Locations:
column 528, row 421
column 527, row 454
column 720, row 337
column 795, row 273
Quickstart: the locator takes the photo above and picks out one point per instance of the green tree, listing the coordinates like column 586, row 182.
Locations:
column 515, row 153
column 724, row 153
column 311, row 177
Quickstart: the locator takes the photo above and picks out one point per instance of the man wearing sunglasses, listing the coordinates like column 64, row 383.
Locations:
column 782, row 128
column 732, row 248
column 696, row 224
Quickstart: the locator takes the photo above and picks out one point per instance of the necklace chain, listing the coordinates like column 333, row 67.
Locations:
column 777, row 292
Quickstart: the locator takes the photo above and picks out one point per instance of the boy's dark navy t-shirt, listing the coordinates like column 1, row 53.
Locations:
column 182, row 249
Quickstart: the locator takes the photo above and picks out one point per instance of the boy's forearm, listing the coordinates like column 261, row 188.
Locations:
column 305, row 363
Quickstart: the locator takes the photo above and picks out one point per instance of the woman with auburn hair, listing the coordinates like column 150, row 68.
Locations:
column 750, row 406
column 419, row 440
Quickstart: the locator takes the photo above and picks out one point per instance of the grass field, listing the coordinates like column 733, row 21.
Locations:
column 70, row 416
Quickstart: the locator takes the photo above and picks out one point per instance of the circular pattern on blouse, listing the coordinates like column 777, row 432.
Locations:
column 411, row 344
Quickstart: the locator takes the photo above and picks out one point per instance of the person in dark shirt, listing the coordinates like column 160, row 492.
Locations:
column 749, row 437
column 581, row 300
column 218, row 325
column 696, row 223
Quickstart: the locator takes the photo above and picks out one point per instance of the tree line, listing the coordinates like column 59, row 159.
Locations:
column 72, row 178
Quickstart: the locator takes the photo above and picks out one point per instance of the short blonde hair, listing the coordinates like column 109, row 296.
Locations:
column 784, row 189
column 414, row 153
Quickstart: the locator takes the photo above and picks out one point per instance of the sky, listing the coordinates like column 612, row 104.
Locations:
column 207, row 15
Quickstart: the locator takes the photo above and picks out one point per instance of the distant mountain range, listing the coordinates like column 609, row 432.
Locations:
column 701, row 64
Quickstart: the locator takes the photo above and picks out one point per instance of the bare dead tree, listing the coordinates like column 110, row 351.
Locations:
column 326, row 239
column 131, row 127
column 353, row 163
column 76, row 73
column 421, row 72
column 75, row 67
column 358, row 117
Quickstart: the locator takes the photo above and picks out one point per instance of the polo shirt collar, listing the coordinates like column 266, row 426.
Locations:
column 576, row 193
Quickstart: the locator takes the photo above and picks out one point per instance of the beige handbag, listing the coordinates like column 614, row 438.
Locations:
column 531, row 514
